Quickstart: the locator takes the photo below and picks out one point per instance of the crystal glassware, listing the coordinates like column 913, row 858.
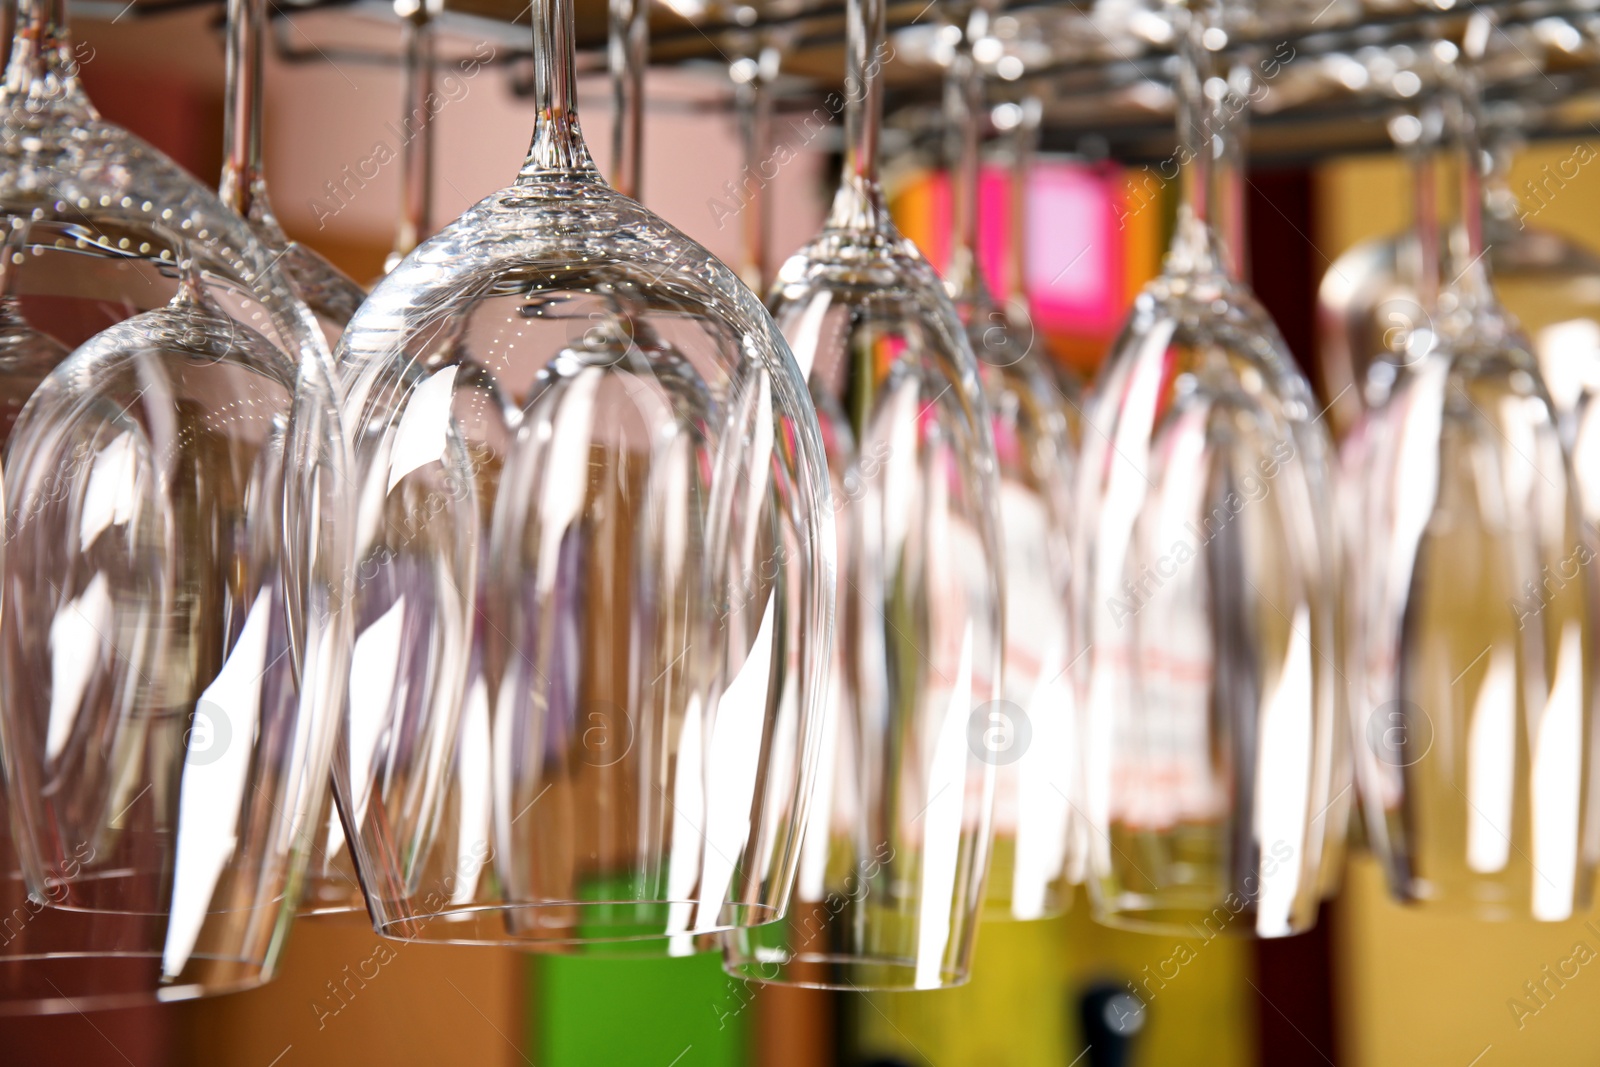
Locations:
column 1031, row 734
column 1208, row 565
column 172, row 632
column 608, row 595
column 893, row 865
column 1475, row 666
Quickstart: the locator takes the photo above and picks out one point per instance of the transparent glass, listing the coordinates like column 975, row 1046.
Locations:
column 595, row 572
column 172, row 636
column 892, row 869
column 331, row 884
column 1475, row 668
column 1208, row 575
column 1031, row 734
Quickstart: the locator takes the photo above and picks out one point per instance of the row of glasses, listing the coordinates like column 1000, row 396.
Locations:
column 173, row 628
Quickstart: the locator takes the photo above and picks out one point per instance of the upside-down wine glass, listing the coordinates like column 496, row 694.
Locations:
column 616, row 608
column 1475, row 670
column 1208, row 556
column 172, row 632
column 893, row 865
column 1031, row 733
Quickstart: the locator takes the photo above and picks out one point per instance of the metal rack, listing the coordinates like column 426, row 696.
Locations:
column 1329, row 73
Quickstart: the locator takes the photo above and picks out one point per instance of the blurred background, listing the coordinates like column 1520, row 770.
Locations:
column 1372, row 986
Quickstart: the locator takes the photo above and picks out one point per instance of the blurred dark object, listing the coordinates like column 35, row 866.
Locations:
column 1110, row 1017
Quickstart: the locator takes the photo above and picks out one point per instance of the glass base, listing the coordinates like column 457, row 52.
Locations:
column 1203, row 919
column 55, row 983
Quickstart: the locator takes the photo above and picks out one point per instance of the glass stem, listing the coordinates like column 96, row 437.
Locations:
column 242, row 186
column 1194, row 246
column 558, row 147
column 627, row 52
column 1425, row 210
column 859, row 204
column 1025, row 144
column 1470, row 262
column 753, row 99
column 416, row 145
column 41, row 63
column 1229, row 126
column 964, row 113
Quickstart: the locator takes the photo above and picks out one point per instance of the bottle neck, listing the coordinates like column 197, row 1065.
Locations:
column 557, row 149
column 627, row 52
column 243, row 187
column 859, row 204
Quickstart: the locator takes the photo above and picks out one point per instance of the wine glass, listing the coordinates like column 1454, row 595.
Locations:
column 173, row 631
column 1476, row 612
column 326, row 290
column 893, row 864
column 1031, row 734
column 615, row 609
column 1208, row 573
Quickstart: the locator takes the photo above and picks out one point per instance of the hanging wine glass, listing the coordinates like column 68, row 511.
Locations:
column 331, row 296
column 1476, row 607
column 173, row 631
column 1031, row 734
column 1208, row 575
column 893, row 863
column 617, row 608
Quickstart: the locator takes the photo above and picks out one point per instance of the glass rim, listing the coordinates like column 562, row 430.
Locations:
column 878, row 974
